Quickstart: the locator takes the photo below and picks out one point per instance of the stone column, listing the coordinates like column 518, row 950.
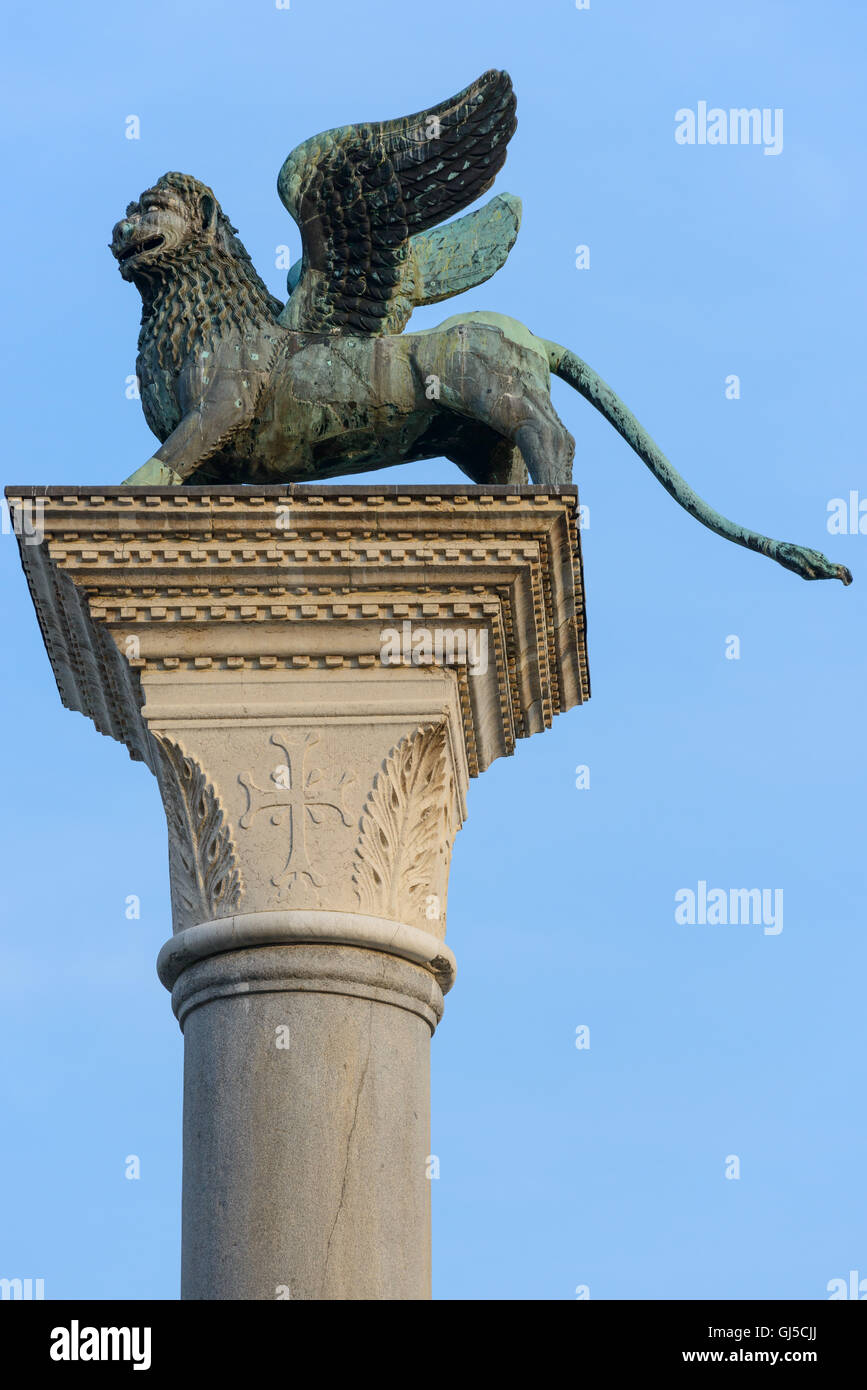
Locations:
column 313, row 675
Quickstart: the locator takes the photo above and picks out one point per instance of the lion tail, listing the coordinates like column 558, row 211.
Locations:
column 809, row 564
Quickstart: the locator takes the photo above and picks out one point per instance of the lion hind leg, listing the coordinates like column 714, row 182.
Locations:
column 547, row 447
column 528, row 421
column 501, row 463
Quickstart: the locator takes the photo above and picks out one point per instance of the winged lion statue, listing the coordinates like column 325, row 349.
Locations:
column 241, row 387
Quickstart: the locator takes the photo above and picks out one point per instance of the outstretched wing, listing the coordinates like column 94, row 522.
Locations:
column 359, row 193
column 448, row 260
column 455, row 256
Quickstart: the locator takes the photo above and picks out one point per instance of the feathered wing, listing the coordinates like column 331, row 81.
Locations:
column 453, row 257
column 448, row 260
column 359, row 194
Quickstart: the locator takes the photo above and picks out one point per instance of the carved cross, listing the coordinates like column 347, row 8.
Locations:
column 297, row 793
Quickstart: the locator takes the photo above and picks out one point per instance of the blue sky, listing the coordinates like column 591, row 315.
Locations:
column 559, row 1167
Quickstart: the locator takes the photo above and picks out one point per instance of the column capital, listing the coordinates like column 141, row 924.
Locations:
column 313, row 674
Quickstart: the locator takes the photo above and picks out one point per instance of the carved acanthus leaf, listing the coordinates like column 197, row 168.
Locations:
column 205, row 878
column 404, row 840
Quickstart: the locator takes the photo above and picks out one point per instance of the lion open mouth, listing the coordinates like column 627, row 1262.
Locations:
column 149, row 244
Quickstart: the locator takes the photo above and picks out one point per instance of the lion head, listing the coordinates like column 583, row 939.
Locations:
column 176, row 214
column 173, row 225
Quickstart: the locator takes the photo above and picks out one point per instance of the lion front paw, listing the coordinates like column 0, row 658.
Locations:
column 153, row 473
